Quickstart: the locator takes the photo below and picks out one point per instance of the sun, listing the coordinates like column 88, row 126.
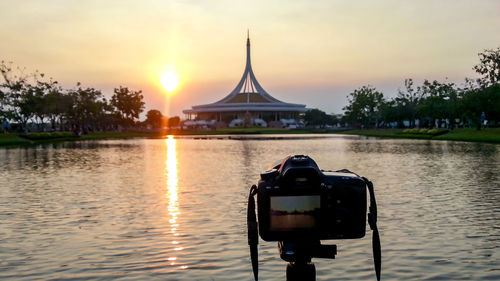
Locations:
column 169, row 80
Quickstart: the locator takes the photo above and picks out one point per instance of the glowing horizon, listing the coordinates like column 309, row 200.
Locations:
column 308, row 53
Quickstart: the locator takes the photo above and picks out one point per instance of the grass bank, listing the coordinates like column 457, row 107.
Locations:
column 471, row 135
column 120, row 135
column 11, row 140
column 490, row 135
column 8, row 140
column 486, row 135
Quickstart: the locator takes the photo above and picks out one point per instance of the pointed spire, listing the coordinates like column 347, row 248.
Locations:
column 248, row 51
column 249, row 85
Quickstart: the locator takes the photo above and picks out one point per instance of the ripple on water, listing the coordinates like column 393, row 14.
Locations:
column 175, row 210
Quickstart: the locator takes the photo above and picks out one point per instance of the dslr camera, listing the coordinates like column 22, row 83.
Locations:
column 298, row 201
column 299, row 204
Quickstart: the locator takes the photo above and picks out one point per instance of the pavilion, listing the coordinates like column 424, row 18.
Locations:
column 248, row 104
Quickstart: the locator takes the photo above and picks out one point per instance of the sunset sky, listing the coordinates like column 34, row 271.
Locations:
column 309, row 52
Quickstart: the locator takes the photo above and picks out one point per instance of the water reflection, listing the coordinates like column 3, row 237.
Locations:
column 173, row 198
column 175, row 209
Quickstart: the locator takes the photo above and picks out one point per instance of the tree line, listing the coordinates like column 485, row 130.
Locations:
column 30, row 101
column 427, row 104
column 156, row 120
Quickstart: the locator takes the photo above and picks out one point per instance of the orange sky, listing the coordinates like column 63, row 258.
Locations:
column 310, row 52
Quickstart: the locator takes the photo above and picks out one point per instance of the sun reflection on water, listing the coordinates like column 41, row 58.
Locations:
column 172, row 195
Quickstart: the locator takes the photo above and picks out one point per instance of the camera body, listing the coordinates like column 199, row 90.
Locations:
column 298, row 201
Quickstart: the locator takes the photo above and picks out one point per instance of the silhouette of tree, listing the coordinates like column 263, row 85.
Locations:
column 316, row 117
column 154, row 118
column 407, row 101
column 489, row 67
column 174, row 121
column 438, row 100
column 364, row 106
column 128, row 103
column 476, row 101
column 88, row 106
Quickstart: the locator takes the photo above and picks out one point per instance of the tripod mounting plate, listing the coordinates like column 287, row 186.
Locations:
column 303, row 251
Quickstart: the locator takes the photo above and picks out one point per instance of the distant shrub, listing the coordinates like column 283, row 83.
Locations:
column 429, row 132
column 411, row 131
column 437, row 132
column 61, row 134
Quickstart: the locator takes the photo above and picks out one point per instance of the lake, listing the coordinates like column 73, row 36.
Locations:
column 175, row 209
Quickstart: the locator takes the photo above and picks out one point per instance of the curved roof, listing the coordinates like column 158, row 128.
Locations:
column 248, row 95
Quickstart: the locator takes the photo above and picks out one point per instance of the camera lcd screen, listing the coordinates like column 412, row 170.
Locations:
column 289, row 213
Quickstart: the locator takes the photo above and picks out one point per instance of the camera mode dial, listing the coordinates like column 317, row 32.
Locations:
column 269, row 174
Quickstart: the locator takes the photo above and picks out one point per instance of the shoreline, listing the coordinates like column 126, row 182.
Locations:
column 489, row 135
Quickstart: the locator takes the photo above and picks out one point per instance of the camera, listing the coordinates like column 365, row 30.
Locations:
column 298, row 201
column 299, row 205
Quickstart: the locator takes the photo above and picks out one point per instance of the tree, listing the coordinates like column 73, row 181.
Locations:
column 154, row 118
column 474, row 102
column 128, row 103
column 439, row 101
column 174, row 121
column 88, row 106
column 29, row 98
column 39, row 109
column 316, row 117
column 364, row 106
column 390, row 112
column 4, row 91
column 17, row 100
column 407, row 101
column 24, row 104
column 56, row 104
column 43, row 95
column 4, row 113
column 489, row 67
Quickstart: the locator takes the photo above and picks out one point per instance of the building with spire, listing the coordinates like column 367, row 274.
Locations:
column 248, row 104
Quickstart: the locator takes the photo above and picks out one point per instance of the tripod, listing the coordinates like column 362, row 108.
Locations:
column 299, row 254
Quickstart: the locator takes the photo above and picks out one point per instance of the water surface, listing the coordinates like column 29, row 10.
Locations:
column 176, row 209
